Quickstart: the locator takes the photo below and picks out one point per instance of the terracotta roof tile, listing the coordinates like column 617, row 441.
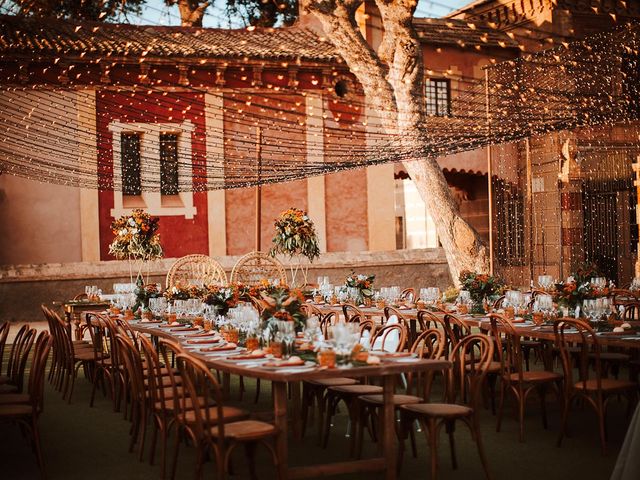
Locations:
column 448, row 31
column 54, row 36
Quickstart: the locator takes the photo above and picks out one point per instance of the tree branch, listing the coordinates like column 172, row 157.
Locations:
column 338, row 21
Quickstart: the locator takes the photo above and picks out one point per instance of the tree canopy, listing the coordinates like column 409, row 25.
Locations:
column 94, row 10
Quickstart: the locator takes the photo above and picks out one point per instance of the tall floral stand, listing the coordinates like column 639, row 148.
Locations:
column 299, row 268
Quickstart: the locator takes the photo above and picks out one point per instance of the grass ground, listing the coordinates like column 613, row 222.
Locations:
column 80, row 443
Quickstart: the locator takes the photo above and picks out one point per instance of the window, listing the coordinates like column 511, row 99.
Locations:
column 508, row 223
column 438, row 97
column 169, row 163
column 130, row 161
column 148, row 155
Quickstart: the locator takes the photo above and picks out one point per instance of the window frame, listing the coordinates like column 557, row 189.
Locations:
column 181, row 204
column 432, row 104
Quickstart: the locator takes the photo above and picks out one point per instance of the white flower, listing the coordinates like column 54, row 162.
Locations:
column 362, row 277
column 132, row 222
column 570, row 279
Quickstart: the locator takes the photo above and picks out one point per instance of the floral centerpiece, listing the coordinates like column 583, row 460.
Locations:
column 222, row 298
column 136, row 240
column 363, row 284
column 578, row 287
column 296, row 236
column 144, row 293
column 183, row 292
column 282, row 303
column 480, row 286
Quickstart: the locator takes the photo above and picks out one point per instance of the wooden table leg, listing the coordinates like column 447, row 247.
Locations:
column 296, row 409
column 389, row 428
column 226, row 385
column 280, row 410
column 413, row 331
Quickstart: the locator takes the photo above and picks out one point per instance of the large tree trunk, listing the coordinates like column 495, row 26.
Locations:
column 392, row 80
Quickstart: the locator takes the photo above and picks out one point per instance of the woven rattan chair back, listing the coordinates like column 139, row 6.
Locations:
column 201, row 268
column 254, row 267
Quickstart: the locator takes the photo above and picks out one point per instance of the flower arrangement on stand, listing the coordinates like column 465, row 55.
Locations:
column 137, row 241
column 222, row 298
column 296, row 237
column 481, row 287
column 282, row 304
column 363, row 284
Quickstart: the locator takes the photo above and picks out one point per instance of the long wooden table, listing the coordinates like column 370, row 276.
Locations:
column 386, row 370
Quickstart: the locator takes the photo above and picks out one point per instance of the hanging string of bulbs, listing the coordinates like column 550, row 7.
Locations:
column 563, row 88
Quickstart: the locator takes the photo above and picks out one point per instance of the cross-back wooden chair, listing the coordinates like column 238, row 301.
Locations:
column 254, row 267
column 590, row 386
column 196, row 267
column 217, row 428
column 514, row 379
column 471, row 359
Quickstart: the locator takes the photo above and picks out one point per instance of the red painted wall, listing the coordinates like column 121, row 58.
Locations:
column 179, row 236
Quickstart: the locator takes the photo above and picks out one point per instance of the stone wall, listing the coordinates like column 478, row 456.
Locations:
column 23, row 288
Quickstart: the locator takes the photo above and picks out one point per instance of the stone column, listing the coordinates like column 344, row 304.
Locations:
column 316, row 207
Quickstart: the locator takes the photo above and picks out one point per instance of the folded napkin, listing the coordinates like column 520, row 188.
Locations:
column 184, row 329
column 221, row 348
column 204, row 341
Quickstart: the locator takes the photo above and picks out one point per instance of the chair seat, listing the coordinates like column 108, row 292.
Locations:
column 15, row 410
column 6, row 388
column 494, row 367
column 378, row 399
column 356, row 389
column 13, row 398
column 332, row 382
column 246, row 430
column 608, row 385
column 613, row 356
column 87, row 355
column 444, row 410
column 229, row 414
column 541, row 376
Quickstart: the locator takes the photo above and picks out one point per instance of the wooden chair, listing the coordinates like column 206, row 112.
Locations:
column 408, row 295
column 216, row 428
column 13, row 382
column 429, row 345
column 471, row 358
column 514, row 379
column 4, row 333
column 349, row 310
column 101, row 361
column 311, row 310
column 390, row 311
column 348, row 394
column 26, row 411
column 196, row 267
column 595, row 391
column 254, row 267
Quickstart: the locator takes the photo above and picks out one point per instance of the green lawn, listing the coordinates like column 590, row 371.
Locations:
column 91, row 443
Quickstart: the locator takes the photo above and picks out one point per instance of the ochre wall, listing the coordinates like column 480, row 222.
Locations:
column 30, row 232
